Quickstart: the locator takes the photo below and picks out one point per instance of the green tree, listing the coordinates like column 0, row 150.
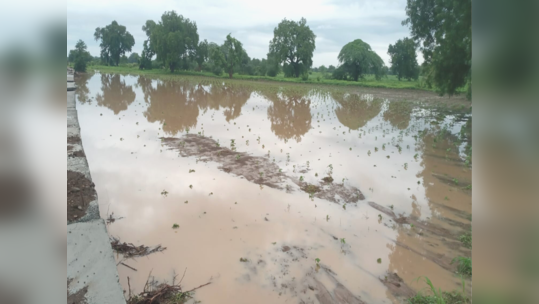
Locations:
column 115, row 42
column 80, row 56
column 201, row 55
column 228, row 56
column 272, row 66
column 443, row 29
column 174, row 39
column 404, row 59
column 331, row 69
column 148, row 52
column 133, row 58
column 357, row 58
column 293, row 44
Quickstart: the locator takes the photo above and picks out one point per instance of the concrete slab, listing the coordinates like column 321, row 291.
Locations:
column 91, row 268
column 91, row 264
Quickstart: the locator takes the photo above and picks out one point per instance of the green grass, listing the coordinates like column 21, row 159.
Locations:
column 389, row 81
column 438, row 296
column 466, row 239
column 464, row 265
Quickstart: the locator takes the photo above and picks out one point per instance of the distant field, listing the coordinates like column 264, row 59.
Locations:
column 389, row 81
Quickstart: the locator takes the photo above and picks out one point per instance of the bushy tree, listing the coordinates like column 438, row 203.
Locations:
column 357, row 58
column 228, row 56
column 404, row 59
column 272, row 66
column 115, row 42
column 443, row 29
column 201, row 55
column 133, row 58
column 148, row 52
column 80, row 56
column 174, row 40
column 293, row 45
column 331, row 69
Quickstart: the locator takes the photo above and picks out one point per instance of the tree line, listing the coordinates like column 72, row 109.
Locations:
column 440, row 29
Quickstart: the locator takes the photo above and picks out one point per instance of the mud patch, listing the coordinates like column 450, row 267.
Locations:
column 317, row 285
column 259, row 170
column 396, row 286
column 78, row 297
column 80, row 192
column 428, row 227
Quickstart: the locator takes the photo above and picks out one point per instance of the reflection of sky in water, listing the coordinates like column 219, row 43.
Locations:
column 130, row 168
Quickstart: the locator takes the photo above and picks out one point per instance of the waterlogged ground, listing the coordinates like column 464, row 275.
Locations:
column 243, row 169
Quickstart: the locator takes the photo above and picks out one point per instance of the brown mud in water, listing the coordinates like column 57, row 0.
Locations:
column 263, row 189
column 259, row 170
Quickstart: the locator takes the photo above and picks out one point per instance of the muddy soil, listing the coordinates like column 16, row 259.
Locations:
column 80, row 192
column 78, row 297
column 258, row 169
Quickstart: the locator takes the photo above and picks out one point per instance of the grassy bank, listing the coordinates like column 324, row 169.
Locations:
column 390, row 82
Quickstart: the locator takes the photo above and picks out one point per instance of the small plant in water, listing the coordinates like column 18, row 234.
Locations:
column 301, row 178
column 164, row 192
column 327, row 218
column 464, row 265
column 175, row 226
column 317, row 261
column 379, row 261
column 191, row 186
column 343, row 241
column 344, row 206
column 191, row 170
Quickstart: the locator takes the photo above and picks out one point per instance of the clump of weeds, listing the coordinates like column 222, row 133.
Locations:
column 438, row 296
column 464, row 265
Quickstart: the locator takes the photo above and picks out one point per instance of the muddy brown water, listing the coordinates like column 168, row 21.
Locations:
column 161, row 153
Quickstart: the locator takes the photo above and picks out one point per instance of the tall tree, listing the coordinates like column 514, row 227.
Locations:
column 148, row 52
column 174, row 39
column 357, row 58
column 293, row 43
column 201, row 53
column 80, row 56
column 229, row 55
column 404, row 59
column 115, row 42
column 443, row 28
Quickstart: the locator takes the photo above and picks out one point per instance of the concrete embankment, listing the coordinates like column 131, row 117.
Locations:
column 92, row 276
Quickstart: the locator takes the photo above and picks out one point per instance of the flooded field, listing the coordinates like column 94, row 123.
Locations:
column 277, row 193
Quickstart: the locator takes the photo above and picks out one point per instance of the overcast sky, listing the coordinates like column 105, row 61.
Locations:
column 334, row 22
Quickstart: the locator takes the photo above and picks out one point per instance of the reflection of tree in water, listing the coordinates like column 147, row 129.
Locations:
column 82, row 92
column 290, row 115
column 115, row 94
column 232, row 98
column 176, row 104
column 356, row 110
column 172, row 104
column 398, row 114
